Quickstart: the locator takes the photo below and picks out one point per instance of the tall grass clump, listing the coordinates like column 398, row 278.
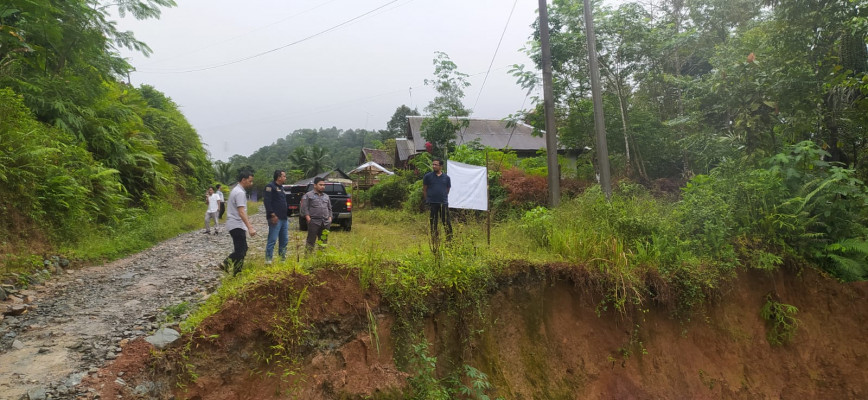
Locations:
column 619, row 240
column 583, row 228
column 623, row 240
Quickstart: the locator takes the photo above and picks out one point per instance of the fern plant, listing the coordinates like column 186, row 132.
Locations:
column 780, row 319
column 849, row 258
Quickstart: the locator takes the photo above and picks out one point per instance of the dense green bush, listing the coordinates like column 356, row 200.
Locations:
column 537, row 224
column 47, row 179
column 706, row 219
column 414, row 202
column 390, row 192
column 798, row 206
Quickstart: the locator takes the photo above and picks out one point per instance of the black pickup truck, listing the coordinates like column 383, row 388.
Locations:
column 293, row 197
column 342, row 203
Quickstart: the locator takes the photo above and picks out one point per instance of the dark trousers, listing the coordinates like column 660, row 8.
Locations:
column 236, row 260
column 440, row 211
column 314, row 231
column 222, row 210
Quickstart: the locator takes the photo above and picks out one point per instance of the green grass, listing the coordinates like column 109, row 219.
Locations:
column 618, row 245
column 137, row 232
column 624, row 246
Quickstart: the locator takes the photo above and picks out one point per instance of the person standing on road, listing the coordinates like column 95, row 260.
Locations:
column 220, row 200
column 211, row 198
column 317, row 210
column 237, row 223
column 435, row 192
column 276, row 214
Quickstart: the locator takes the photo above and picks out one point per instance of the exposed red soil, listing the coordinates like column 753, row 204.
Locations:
column 539, row 337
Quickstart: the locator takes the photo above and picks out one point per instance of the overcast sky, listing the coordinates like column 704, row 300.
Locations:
column 352, row 77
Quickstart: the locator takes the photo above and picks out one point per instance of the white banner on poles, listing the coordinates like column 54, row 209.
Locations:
column 469, row 186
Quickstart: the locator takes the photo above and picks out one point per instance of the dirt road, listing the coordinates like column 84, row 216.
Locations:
column 78, row 320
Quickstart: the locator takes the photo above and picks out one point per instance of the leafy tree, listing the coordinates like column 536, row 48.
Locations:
column 62, row 58
column 176, row 139
column 441, row 128
column 441, row 131
column 449, row 84
column 397, row 125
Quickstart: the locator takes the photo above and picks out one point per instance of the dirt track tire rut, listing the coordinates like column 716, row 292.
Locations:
column 79, row 320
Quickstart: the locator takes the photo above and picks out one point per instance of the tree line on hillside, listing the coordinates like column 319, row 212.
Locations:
column 79, row 146
column 688, row 85
column 307, row 152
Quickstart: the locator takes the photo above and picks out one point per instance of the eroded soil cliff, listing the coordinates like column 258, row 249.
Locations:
column 541, row 334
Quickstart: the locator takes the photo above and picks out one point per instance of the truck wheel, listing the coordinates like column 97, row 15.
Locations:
column 348, row 227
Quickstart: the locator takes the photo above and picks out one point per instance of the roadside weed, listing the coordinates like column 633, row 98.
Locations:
column 780, row 319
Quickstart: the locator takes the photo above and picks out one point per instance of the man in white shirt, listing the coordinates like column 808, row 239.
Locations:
column 211, row 213
column 238, row 224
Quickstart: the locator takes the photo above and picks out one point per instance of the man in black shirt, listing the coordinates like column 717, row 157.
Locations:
column 435, row 191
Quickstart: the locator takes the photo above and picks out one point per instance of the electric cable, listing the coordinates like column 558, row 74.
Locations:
column 493, row 57
column 189, row 53
column 280, row 47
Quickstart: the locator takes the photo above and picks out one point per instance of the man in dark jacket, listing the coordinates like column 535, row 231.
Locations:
column 435, row 191
column 276, row 213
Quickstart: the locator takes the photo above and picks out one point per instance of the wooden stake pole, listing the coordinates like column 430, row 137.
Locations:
column 488, row 198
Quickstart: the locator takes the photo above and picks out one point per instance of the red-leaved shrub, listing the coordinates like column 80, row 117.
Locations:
column 523, row 188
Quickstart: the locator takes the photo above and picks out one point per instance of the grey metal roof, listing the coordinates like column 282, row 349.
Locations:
column 405, row 148
column 490, row 132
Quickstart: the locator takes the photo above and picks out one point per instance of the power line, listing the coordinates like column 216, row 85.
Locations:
column 502, row 34
column 281, row 47
column 493, row 57
column 189, row 53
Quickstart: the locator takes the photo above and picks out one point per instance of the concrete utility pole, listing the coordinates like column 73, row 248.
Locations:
column 549, row 102
column 599, row 122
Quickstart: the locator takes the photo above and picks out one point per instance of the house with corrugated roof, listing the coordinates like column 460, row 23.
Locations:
column 492, row 133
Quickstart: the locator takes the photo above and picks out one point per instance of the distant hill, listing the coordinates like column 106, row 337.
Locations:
column 342, row 147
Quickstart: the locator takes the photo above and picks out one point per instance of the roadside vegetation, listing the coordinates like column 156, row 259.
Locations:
column 724, row 159
column 641, row 248
column 91, row 168
column 737, row 139
column 730, row 220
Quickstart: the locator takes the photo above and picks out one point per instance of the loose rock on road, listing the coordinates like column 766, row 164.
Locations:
column 78, row 321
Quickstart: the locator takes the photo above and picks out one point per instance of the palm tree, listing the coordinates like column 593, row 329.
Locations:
column 223, row 172
column 312, row 160
column 318, row 161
